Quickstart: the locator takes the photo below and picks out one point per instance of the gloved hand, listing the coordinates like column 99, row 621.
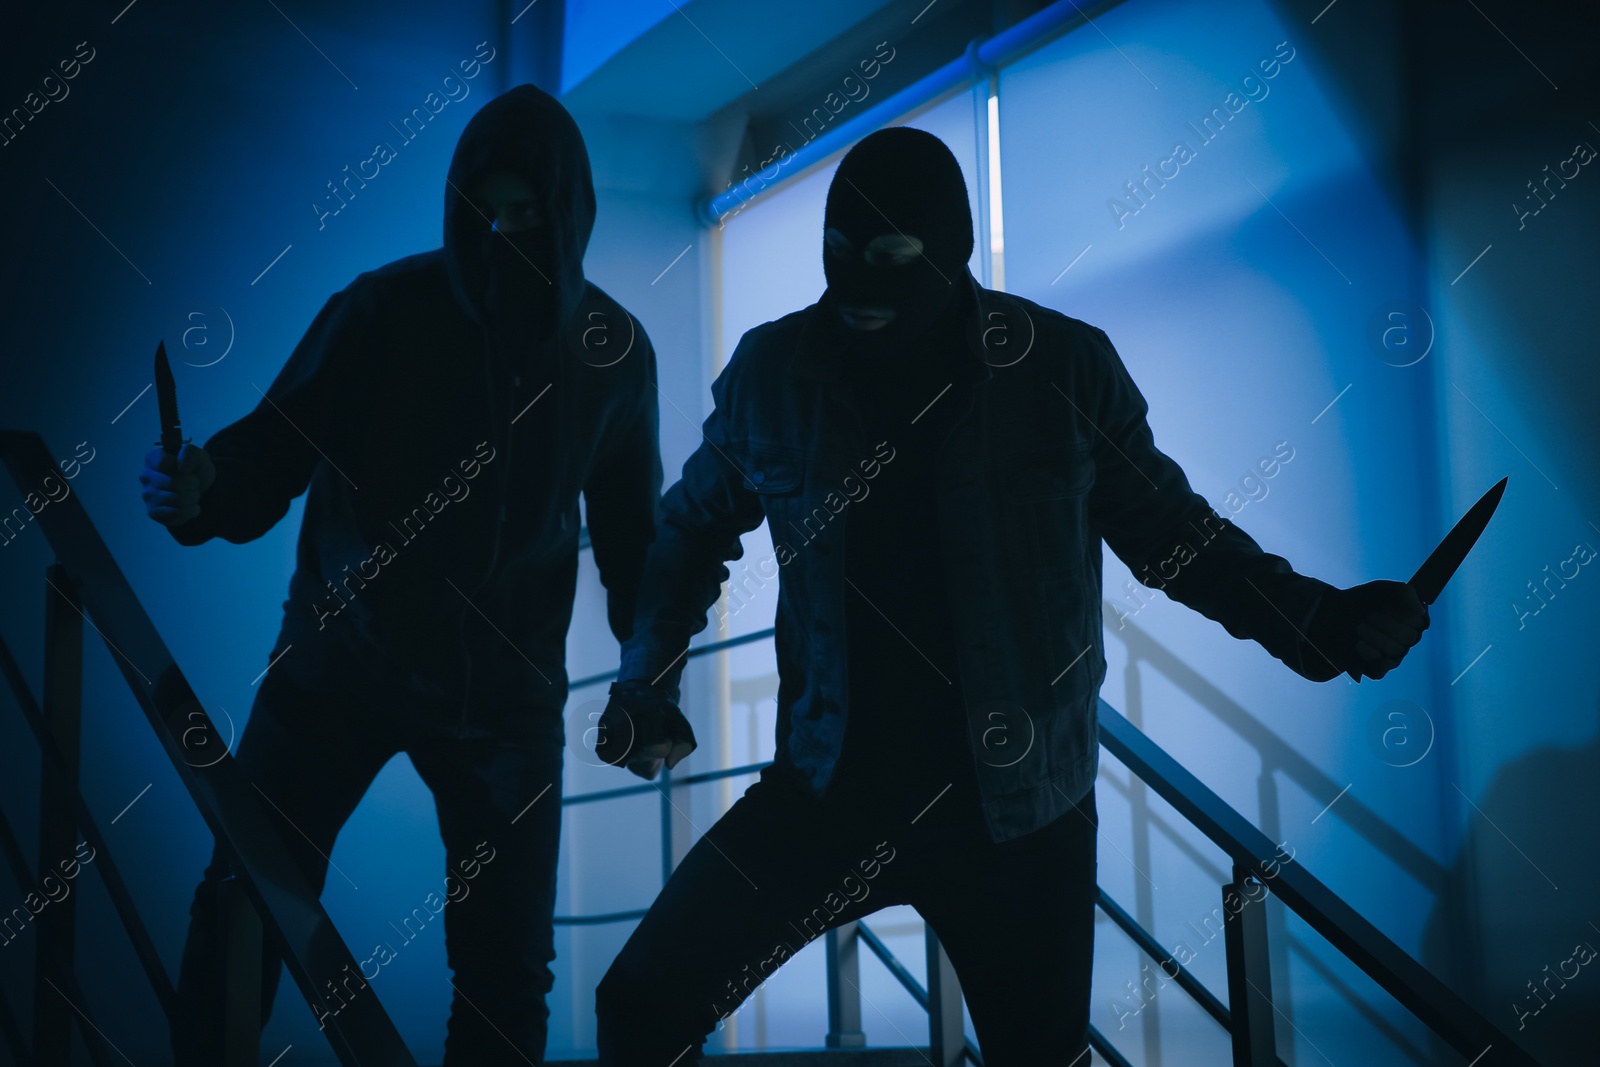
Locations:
column 173, row 484
column 641, row 727
column 1366, row 629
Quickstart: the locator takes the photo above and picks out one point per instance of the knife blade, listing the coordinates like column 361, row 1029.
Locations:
column 1430, row 579
column 172, row 439
column 1436, row 570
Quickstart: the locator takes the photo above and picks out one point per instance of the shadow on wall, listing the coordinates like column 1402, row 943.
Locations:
column 1532, row 843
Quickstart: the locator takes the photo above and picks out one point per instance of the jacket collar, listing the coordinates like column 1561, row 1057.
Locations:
column 813, row 357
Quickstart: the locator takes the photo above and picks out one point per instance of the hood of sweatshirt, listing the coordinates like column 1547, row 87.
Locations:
column 526, row 131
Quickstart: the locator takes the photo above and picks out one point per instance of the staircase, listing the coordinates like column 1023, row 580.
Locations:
column 274, row 897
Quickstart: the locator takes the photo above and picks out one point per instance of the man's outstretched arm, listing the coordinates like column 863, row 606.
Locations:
column 1171, row 538
column 265, row 460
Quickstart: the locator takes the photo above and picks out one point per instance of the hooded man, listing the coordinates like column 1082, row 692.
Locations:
column 936, row 636
column 443, row 413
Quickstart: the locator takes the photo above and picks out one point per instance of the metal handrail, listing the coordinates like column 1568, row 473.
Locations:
column 697, row 650
column 116, row 888
column 1416, row 989
column 89, row 581
column 1152, row 948
column 278, row 890
column 906, row 979
column 1353, row 936
column 1278, row 755
column 652, row 787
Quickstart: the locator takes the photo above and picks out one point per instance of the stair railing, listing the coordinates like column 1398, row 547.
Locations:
column 1257, row 869
column 270, row 892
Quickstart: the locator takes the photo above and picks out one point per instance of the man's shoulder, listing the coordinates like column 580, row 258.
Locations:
column 1044, row 320
column 1037, row 339
column 402, row 282
column 602, row 334
column 770, row 344
column 598, row 309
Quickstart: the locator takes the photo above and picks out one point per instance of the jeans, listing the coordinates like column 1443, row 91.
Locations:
column 782, row 866
column 313, row 752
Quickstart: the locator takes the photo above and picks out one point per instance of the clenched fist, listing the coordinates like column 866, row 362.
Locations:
column 173, row 484
column 640, row 728
column 1366, row 630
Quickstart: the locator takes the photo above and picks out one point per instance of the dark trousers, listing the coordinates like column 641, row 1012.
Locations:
column 313, row 754
column 1016, row 918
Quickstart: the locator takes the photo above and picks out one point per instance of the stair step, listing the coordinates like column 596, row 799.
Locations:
column 854, row 1057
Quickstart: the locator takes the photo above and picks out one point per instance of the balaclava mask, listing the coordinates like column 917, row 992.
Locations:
column 523, row 294
column 897, row 182
column 523, row 285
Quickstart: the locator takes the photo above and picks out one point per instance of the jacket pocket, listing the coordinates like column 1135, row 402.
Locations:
column 772, row 469
column 1048, row 473
column 1072, row 632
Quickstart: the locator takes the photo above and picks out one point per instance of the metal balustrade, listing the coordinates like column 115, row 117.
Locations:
column 86, row 585
column 273, row 895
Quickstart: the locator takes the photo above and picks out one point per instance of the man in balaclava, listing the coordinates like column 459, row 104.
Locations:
column 938, row 464
column 471, row 393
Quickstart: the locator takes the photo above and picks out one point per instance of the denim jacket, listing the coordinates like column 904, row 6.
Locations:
column 1051, row 455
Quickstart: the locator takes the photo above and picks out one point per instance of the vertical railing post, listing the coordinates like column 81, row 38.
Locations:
column 946, row 1033
column 676, row 833
column 1249, row 973
column 844, row 988
column 58, row 827
column 668, row 860
column 1139, row 823
column 1271, row 824
column 240, row 930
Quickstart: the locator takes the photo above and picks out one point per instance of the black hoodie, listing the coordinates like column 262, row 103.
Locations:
column 443, row 458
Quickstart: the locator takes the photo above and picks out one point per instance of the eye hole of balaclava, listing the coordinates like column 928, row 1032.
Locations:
column 885, row 250
column 897, row 235
column 511, row 217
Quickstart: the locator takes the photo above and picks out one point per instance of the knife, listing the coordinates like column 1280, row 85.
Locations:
column 172, row 438
column 1437, row 568
column 1430, row 579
